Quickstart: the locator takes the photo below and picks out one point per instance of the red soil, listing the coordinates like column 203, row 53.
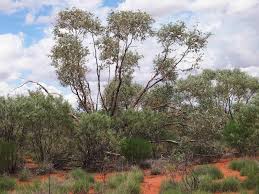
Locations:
column 223, row 167
column 151, row 183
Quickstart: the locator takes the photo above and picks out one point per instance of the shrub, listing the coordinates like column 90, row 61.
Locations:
column 116, row 180
column 80, row 186
column 230, row 184
column 145, row 165
column 81, row 181
column 8, row 156
column 251, row 182
column 155, row 171
column 7, row 183
column 169, row 187
column 78, row 174
column 44, row 168
column 146, row 124
column 128, row 183
column 246, row 167
column 136, row 149
column 257, row 189
column 94, row 138
column 24, row 174
column 208, row 170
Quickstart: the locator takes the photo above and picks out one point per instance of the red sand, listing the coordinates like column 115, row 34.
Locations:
column 223, row 167
column 151, row 183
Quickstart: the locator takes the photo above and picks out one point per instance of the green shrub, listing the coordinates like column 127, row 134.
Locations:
column 246, row 167
column 237, row 164
column 136, row 149
column 128, row 183
column 210, row 186
column 116, row 180
column 81, row 180
column 78, row 174
column 251, row 182
column 257, row 189
column 80, row 186
column 208, row 170
column 94, row 138
column 29, row 188
column 155, row 171
column 169, row 187
column 24, row 174
column 8, row 156
column 145, row 165
column 235, row 135
column 7, row 183
column 230, row 184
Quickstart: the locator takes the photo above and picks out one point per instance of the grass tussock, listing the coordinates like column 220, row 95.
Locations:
column 208, row 170
column 7, row 183
column 127, row 183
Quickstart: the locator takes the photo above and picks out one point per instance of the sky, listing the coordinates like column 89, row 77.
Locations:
column 26, row 36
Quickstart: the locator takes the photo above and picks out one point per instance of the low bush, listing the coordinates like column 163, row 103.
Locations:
column 230, row 184
column 136, row 149
column 208, row 170
column 116, row 180
column 251, row 182
column 78, row 174
column 44, row 168
column 81, row 181
column 24, row 174
column 155, row 171
column 8, row 159
column 145, row 165
column 246, row 167
column 257, row 189
column 128, row 183
column 7, row 183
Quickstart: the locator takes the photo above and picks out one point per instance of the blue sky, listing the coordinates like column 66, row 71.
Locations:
column 26, row 25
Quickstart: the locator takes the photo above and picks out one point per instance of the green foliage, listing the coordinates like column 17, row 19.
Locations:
column 81, row 181
column 80, row 174
column 155, row 171
column 237, row 136
column 246, row 167
column 128, row 183
column 257, row 190
column 145, row 124
column 168, row 187
column 8, row 157
column 208, row 170
column 229, row 184
column 24, row 174
column 251, row 182
column 113, row 43
column 136, row 149
column 94, row 137
column 7, row 183
column 116, row 180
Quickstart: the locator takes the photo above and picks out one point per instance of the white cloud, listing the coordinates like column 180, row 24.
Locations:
column 234, row 24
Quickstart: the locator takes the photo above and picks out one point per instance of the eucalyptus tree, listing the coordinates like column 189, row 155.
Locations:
column 219, row 88
column 114, row 44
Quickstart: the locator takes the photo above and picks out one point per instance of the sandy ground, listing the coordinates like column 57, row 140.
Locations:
column 151, row 183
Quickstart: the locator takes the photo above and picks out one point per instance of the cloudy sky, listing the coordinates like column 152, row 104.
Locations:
column 26, row 25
